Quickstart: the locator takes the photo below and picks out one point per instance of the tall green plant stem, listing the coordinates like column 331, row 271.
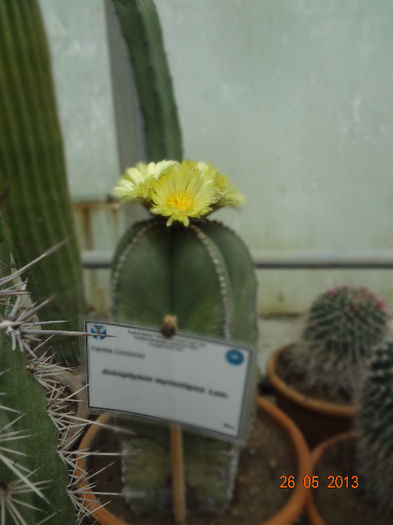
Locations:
column 36, row 210
column 141, row 30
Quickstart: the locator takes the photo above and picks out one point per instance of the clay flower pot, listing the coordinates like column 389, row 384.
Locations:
column 312, row 512
column 317, row 419
column 288, row 514
column 343, row 500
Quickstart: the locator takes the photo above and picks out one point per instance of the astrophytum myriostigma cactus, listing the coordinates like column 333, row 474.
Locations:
column 342, row 328
column 201, row 272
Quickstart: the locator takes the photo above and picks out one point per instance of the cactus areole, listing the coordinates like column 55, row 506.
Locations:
column 181, row 264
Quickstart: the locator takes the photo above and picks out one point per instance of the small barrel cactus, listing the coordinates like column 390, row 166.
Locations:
column 200, row 272
column 341, row 329
column 374, row 444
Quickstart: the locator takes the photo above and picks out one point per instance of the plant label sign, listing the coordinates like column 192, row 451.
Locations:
column 201, row 383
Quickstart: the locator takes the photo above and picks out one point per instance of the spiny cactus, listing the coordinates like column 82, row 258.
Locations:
column 36, row 210
column 374, row 443
column 29, row 462
column 39, row 480
column 203, row 275
column 341, row 329
column 141, row 30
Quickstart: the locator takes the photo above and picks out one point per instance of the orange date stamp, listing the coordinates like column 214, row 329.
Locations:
column 313, row 482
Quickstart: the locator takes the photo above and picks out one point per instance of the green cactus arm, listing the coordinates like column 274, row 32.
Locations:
column 30, row 441
column 36, row 211
column 141, row 30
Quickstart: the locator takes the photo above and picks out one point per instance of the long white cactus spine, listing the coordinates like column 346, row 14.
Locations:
column 19, row 322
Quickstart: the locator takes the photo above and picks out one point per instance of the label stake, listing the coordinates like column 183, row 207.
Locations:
column 168, row 329
column 179, row 496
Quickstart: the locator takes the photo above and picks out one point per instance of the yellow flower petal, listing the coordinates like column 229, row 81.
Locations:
column 137, row 181
column 182, row 193
column 227, row 194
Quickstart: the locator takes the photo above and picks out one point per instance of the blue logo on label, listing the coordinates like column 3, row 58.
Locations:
column 99, row 331
column 234, row 357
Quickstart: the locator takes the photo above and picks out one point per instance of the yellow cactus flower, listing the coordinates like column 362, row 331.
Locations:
column 227, row 194
column 230, row 196
column 136, row 182
column 182, row 193
column 178, row 191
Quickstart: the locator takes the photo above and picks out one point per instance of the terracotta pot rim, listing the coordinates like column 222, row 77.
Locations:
column 288, row 514
column 312, row 511
column 299, row 497
column 316, row 405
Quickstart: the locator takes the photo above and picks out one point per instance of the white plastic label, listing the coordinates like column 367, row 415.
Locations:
column 194, row 381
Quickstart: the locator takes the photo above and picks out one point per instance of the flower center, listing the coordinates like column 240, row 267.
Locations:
column 181, row 201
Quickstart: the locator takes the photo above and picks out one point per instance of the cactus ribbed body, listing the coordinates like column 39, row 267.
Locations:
column 374, row 444
column 33, row 479
column 342, row 328
column 34, row 450
column 346, row 320
column 142, row 33
column 203, row 274
column 36, row 210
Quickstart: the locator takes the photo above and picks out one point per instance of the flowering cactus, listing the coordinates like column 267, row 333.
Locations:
column 342, row 327
column 198, row 270
column 374, row 445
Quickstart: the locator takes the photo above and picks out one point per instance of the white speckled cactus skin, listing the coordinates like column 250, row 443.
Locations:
column 204, row 275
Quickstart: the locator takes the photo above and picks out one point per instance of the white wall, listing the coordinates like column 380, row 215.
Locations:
column 293, row 100
column 78, row 41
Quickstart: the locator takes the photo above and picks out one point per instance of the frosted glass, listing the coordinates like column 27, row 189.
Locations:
column 293, row 100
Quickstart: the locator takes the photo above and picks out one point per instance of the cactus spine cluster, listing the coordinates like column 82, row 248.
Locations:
column 38, row 475
column 36, row 209
column 342, row 328
column 203, row 274
column 374, row 443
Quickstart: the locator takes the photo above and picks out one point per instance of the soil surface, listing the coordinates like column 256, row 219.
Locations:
column 257, row 493
column 296, row 380
column 338, row 506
